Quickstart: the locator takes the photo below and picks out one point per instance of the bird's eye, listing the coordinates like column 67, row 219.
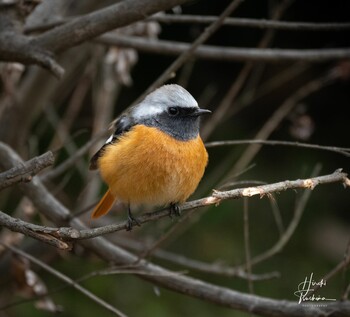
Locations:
column 173, row 111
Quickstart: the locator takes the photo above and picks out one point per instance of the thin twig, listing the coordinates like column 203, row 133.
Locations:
column 340, row 150
column 67, row 280
column 211, row 268
column 271, row 55
column 280, row 113
column 68, row 163
column 68, row 233
column 283, row 240
column 237, row 85
column 190, row 49
column 25, row 172
column 252, row 23
column 341, row 266
column 247, row 244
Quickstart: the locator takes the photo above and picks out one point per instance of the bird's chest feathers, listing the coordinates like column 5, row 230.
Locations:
column 149, row 166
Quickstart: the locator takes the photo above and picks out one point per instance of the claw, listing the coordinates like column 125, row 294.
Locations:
column 131, row 221
column 174, row 210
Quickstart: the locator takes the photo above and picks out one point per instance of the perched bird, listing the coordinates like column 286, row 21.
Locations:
column 155, row 156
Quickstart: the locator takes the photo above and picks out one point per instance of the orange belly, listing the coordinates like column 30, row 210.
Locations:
column 147, row 166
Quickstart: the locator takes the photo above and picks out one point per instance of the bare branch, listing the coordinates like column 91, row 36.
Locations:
column 189, row 51
column 101, row 21
column 340, row 150
column 232, row 93
column 16, row 47
column 67, row 280
column 54, row 210
column 298, row 212
column 25, row 172
column 280, row 113
column 200, row 19
column 41, row 233
column 67, row 233
column 252, row 23
column 271, row 55
column 211, row 268
column 69, row 162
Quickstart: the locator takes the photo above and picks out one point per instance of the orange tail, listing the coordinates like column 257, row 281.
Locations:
column 104, row 205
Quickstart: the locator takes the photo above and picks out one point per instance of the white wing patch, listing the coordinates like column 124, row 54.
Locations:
column 109, row 139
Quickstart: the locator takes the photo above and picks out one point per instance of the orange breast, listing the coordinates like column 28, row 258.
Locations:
column 147, row 166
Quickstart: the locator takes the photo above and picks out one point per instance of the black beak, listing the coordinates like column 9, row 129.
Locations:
column 200, row 112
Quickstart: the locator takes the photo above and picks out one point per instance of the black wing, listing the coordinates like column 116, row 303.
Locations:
column 121, row 125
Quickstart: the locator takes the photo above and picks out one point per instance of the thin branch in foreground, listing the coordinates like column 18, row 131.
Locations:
column 340, row 150
column 25, row 172
column 252, row 23
column 67, row 280
column 68, row 233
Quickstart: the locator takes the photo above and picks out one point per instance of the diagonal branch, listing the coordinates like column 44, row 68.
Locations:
column 98, row 22
column 67, row 280
column 25, row 172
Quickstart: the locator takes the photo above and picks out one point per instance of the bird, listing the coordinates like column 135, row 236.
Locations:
column 155, row 157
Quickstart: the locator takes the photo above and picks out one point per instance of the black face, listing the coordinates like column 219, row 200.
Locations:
column 182, row 123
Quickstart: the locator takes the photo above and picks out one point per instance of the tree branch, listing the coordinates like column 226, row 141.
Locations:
column 191, row 49
column 16, row 47
column 44, row 233
column 251, row 23
column 211, row 268
column 225, row 53
column 335, row 149
column 25, row 172
column 93, row 24
column 54, row 210
column 66, row 279
column 200, row 19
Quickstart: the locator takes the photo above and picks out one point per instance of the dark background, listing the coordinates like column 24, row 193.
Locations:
column 216, row 234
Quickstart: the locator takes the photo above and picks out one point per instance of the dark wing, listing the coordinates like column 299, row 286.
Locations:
column 122, row 124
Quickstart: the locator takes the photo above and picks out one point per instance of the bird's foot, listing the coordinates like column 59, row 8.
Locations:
column 131, row 221
column 174, row 210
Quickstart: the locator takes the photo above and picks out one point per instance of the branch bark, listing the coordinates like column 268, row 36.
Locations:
column 25, row 172
column 340, row 150
column 252, row 23
column 91, row 25
column 225, row 53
